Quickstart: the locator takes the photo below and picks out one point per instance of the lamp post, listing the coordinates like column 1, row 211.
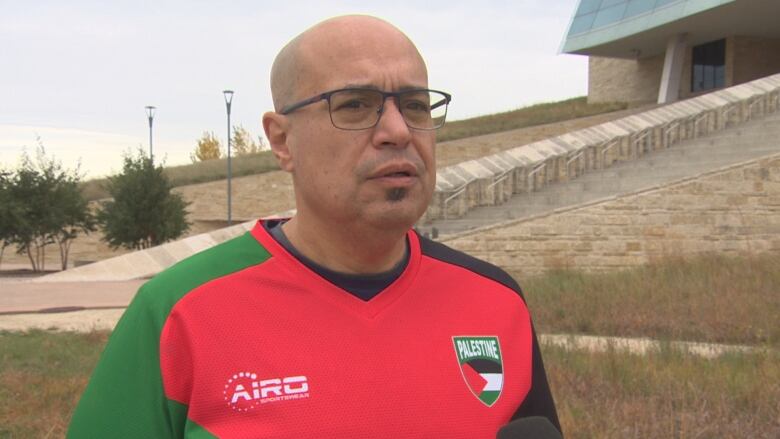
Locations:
column 228, row 100
column 150, row 114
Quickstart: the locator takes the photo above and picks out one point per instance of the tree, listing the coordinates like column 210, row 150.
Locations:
column 8, row 212
column 144, row 212
column 244, row 144
column 73, row 213
column 208, row 148
column 45, row 206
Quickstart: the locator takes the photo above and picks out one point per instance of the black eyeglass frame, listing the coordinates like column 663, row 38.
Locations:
column 385, row 94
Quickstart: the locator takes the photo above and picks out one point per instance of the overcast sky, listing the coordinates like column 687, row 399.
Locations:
column 79, row 73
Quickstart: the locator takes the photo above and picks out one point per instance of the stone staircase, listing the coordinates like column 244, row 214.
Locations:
column 494, row 179
column 751, row 140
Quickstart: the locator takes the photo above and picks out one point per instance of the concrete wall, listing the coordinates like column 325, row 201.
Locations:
column 736, row 211
column 638, row 80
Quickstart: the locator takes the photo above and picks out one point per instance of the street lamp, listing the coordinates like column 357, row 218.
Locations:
column 150, row 114
column 228, row 100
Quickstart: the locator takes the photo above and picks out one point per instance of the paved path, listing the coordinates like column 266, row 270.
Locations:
column 640, row 346
column 78, row 321
column 23, row 296
column 105, row 320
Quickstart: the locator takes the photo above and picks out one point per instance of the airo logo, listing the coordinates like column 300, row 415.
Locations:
column 244, row 391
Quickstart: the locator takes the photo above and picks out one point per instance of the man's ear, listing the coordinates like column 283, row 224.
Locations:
column 275, row 126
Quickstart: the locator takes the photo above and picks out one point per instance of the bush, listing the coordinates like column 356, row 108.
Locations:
column 144, row 212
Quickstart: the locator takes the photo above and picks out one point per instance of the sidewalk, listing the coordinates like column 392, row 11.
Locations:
column 20, row 295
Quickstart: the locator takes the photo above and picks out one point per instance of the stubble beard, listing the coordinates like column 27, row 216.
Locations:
column 395, row 195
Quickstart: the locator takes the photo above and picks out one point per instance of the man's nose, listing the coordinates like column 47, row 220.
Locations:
column 392, row 127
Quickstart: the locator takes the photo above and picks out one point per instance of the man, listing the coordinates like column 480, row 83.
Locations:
column 341, row 322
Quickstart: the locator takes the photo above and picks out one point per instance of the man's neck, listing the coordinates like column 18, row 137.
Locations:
column 354, row 249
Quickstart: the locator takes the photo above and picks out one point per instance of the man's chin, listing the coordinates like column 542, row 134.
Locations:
column 396, row 215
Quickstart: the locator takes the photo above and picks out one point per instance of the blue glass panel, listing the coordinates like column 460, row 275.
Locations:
column 720, row 76
column 709, row 76
column 581, row 24
column 588, row 6
column 609, row 15
column 660, row 3
column 607, row 3
column 636, row 7
column 697, row 79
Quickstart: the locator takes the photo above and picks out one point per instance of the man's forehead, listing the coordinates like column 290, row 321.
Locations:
column 354, row 38
column 369, row 63
column 343, row 51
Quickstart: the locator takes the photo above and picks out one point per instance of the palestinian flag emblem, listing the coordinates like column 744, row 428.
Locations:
column 480, row 363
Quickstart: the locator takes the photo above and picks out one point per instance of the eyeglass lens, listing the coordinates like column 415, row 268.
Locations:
column 359, row 109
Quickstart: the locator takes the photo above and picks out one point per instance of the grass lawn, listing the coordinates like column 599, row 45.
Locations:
column 538, row 114
column 42, row 375
column 199, row 172
column 665, row 394
column 601, row 395
column 714, row 299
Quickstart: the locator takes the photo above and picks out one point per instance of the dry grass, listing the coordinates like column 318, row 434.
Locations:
column 710, row 298
column 524, row 117
column 539, row 114
column 665, row 395
column 42, row 376
column 604, row 395
column 199, row 172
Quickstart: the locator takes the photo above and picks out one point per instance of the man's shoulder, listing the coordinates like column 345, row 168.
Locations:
column 446, row 254
column 223, row 259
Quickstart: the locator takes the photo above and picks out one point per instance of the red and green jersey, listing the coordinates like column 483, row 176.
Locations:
column 244, row 341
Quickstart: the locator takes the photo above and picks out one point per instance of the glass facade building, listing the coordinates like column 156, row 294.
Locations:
column 592, row 14
column 597, row 22
column 664, row 50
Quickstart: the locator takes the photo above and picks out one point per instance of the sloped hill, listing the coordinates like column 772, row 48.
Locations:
column 259, row 195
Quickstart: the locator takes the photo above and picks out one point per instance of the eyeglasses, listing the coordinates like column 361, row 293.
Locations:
column 361, row 108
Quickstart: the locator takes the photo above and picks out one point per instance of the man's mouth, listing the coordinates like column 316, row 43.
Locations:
column 395, row 170
column 396, row 176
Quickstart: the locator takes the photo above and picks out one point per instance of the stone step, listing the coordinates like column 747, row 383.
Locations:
column 686, row 158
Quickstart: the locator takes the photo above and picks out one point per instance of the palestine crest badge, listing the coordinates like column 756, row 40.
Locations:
column 481, row 365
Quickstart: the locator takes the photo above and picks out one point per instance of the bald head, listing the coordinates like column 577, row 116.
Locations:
column 304, row 60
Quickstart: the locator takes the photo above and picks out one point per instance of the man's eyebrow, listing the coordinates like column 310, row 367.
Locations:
column 374, row 87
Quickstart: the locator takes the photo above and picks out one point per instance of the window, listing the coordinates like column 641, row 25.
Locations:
column 581, row 24
column 709, row 66
column 588, row 6
column 636, row 7
column 609, row 15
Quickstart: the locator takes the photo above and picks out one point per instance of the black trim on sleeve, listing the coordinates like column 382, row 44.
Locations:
column 542, row 403
column 441, row 252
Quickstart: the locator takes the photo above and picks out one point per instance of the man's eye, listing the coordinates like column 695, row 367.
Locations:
column 417, row 106
column 354, row 104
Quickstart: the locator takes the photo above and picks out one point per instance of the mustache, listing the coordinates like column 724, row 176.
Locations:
column 367, row 168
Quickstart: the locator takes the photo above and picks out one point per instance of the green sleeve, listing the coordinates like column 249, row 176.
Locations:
column 125, row 397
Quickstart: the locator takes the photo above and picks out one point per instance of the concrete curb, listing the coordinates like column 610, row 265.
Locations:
column 641, row 346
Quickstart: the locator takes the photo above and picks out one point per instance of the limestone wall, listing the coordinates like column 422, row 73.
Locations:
column 624, row 80
column 755, row 58
column 733, row 210
column 638, row 80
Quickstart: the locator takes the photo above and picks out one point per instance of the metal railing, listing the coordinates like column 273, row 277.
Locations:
column 683, row 122
column 455, row 194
